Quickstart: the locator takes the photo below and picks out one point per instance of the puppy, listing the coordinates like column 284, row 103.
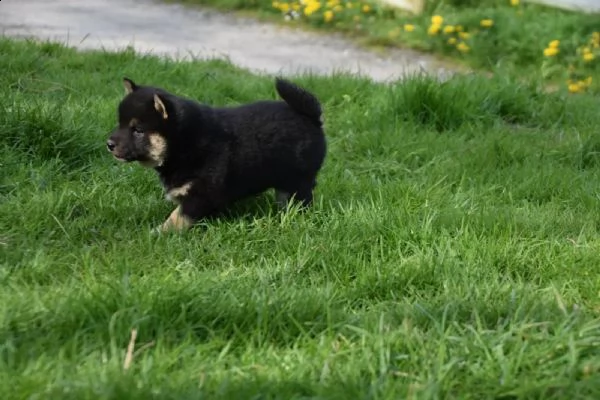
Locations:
column 207, row 158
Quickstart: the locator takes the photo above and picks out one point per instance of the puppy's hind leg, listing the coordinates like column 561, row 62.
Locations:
column 303, row 192
column 282, row 198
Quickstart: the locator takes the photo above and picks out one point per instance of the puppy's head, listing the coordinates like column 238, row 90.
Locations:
column 143, row 123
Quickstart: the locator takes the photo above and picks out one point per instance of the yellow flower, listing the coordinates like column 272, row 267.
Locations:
column 554, row 44
column 588, row 56
column 409, row 27
column 295, row 6
column 449, row 29
column 338, row 8
column 595, row 40
column 514, row 2
column 574, row 88
column 433, row 30
column 437, row 20
column 462, row 47
column 550, row 51
column 311, row 7
column 366, row 8
column 328, row 15
column 284, row 7
column 464, row 35
column 486, row 23
column 275, row 4
column 452, row 41
column 459, row 28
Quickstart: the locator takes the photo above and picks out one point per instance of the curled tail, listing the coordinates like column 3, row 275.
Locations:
column 300, row 100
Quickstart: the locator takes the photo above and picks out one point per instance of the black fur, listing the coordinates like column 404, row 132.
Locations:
column 227, row 153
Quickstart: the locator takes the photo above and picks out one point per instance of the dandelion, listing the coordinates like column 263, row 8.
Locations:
column 574, row 88
column 462, row 47
column 328, row 16
column 554, row 44
column 550, row 51
column 486, row 23
column 588, row 57
column 433, row 30
column 437, row 20
column 311, row 7
column 595, row 40
column 464, row 35
column 449, row 29
column 515, row 3
column 452, row 41
column 366, row 8
column 409, row 27
column 579, row 86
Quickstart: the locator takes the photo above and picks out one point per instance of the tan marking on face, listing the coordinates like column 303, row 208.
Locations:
column 160, row 107
column 156, row 151
column 176, row 222
column 176, row 193
column 133, row 122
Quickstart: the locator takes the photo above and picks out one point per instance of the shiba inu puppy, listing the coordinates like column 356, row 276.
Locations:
column 207, row 157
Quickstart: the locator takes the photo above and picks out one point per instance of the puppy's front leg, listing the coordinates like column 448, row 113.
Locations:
column 192, row 209
column 177, row 221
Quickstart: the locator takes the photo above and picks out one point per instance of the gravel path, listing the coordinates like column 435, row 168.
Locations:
column 178, row 31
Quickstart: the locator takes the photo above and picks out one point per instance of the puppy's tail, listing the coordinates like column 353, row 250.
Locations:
column 300, row 100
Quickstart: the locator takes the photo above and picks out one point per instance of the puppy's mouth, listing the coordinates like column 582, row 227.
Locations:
column 124, row 159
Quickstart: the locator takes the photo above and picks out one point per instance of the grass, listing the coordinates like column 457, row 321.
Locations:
column 485, row 35
column 453, row 250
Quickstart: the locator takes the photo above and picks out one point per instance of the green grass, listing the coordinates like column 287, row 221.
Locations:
column 515, row 43
column 452, row 252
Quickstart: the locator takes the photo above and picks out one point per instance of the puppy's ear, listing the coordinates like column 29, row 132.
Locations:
column 160, row 106
column 130, row 86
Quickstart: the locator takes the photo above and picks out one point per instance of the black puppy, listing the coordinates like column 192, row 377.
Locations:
column 207, row 157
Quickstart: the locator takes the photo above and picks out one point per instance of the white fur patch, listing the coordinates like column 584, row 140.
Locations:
column 178, row 192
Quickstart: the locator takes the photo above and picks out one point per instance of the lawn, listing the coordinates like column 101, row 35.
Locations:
column 452, row 252
column 523, row 39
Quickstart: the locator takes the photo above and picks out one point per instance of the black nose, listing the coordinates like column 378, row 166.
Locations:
column 111, row 145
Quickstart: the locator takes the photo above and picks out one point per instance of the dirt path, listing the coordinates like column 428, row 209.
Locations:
column 178, row 31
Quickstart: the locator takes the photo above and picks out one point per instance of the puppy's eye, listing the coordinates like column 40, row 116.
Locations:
column 138, row 132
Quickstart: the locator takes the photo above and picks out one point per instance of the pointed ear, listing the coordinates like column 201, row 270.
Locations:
column 160, row 106
column 130, row 86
